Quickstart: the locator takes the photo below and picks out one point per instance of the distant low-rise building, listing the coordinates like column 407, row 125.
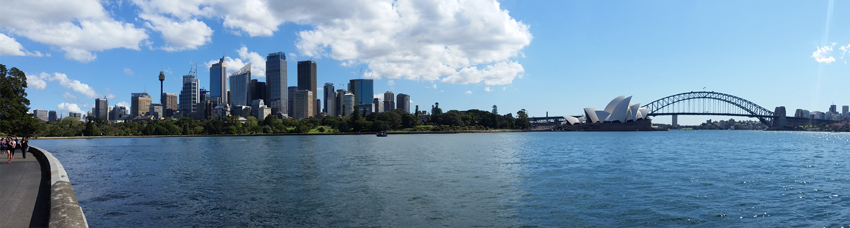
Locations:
column 41, row 114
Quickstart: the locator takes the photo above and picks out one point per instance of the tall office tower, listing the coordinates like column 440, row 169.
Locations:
column 259, row 91
column 290, row 94
column 328, row 107
column 832, row 109
column 40, row 114
column 218, row 85
column 403, row 102
column 169, row 108
column 101, row 109
column 377, row 106
column 118, row 112
column 363, row 91
column 307, row 78
column 303, row 104
column 389, row 101
column 338, row 103
column 139, row 104
column 190, row 96
column 276, row 81
column 155, row 111
column 844, row 110
column 239, row 90
column 51, row 116
column 75, row 115
column 348, row 103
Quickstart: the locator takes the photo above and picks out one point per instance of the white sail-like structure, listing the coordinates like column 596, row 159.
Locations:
column 618, row 110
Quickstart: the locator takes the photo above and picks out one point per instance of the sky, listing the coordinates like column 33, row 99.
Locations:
column 543, row 56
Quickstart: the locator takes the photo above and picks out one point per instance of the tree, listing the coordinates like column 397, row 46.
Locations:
column 14, row 119
column 522, row 120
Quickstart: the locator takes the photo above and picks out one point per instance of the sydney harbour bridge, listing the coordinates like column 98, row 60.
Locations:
column 710, row 103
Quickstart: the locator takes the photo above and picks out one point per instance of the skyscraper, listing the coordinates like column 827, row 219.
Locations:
column 363, row 91
column 307, row 79
column 276, row 82
column 403, row 102
column 329, row 99
column 259, row 91
column 377, row 106
column 190, row 95
column 348, row 103
column 139, row 104
column 389, row 101
column 169, row 107
column 161, row 92
column 832, row 109
column 218, row 85
column 290, row 94
column 304, row 104
column 40, row 114
column 239, row 89
column 101, row 109
column 338, row 98
column 51, row 116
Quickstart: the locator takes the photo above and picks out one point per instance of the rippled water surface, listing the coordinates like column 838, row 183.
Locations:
column 667, row 179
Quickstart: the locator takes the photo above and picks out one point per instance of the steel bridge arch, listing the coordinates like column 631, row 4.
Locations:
column 749, row 108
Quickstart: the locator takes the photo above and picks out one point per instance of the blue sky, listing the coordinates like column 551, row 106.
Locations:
column 555, row 56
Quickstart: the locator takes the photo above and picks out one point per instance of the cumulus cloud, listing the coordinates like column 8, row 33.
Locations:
column 77, row 27
column 487, row 88
column 822, row 54
column 459, row 42
column 9, row 46
column 179, row 35
column 258, row 63
column 73, row 85
column 36, row 81
column 391, row 83
column 68, row 107
column 468, row 92
column 123, row 103
column 128, row 71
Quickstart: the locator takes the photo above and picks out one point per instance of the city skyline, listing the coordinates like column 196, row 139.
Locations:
column 542, row 56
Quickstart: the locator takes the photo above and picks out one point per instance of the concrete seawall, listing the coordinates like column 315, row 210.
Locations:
column 64, row 209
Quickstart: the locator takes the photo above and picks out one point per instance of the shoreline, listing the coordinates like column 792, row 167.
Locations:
column 292, row 134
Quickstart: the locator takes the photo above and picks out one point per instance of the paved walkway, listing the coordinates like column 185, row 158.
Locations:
column 21, row 190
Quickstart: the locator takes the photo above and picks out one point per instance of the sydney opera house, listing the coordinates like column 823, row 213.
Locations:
column 619, row 115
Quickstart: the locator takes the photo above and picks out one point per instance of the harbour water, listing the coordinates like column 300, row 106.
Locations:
column 575, row 179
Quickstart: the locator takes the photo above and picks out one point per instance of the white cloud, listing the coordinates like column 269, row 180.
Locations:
column 844, row 50
column 487, row 88
column 497, row 74
column 258, row 63
column 9, row 46
column 822, row 54
column 70, row 97
column 77, row 27
column 128, row 71
column 123, row 103
column 69, row 107
column 416, row 40
column 468, row 92
column 179, row 36
column 36, row 81
column 73, row 85
column 391, row 83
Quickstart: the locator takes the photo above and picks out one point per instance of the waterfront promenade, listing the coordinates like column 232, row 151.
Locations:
column 24, row 198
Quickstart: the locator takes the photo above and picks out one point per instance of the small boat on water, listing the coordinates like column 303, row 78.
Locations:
column 381, row 134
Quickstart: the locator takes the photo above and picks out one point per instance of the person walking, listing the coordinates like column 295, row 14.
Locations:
column 25, row 146
column 3, row 148
column 12, row 145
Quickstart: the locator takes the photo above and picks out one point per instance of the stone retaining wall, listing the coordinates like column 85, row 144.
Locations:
column 64, row 209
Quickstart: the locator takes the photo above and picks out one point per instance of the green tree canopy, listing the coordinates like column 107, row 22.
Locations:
column 14, row 105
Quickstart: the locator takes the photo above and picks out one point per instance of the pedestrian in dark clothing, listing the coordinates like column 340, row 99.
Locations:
column 25, row 146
